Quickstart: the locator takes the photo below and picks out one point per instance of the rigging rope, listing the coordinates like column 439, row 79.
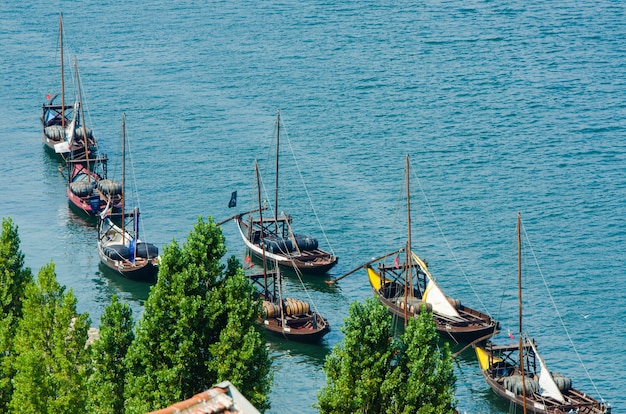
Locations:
column 134, row 187
column 446, row 240
column 299, row 274
column 569, row 337
column 306, row 190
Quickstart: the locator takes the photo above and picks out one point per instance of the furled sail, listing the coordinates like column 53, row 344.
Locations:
column 434, row 295
column 65, row 146
column 72, row 128
column 547, row 386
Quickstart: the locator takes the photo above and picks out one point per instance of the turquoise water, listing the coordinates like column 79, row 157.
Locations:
column 503, row 107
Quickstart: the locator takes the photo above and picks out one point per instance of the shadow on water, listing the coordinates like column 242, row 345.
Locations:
column 51, row 158
column 309, row 353
column 82, row 220
column 130, row 290
column 468, row 377
column 314, row 282
column 54, row 171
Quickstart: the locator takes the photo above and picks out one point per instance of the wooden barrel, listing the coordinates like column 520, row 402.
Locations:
column 82, row 188
column 270, row 309
column 456, row 303
column 296, row 306
column 564, row 383
column 514, row 384
column 414, row 305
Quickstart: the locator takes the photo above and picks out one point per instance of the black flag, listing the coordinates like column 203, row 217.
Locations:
column 233, row 200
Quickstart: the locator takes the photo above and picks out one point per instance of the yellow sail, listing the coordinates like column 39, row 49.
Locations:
column 375, row 279
column 483, row 358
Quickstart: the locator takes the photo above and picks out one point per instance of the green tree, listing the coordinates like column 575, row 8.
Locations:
column 372, row 371
column 358, row 366
column 429, row 381
column 14, row 278
column 240, row 332
column 186, row 315
column 106, row 383
column 51, row 359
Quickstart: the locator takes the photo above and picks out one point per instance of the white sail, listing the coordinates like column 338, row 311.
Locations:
column 65, row 146
column 62, row 147
column 547, row 386
column 72, row 128
column 434, row 295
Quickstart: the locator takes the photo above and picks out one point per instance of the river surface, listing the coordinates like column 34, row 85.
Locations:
column 503, row 107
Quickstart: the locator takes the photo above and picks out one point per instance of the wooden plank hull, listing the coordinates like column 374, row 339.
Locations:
column 575, row 400
column 143, row 270
column 77, row 152
column 82, row 205
column 471, row 326
column 92, row 203
column 51, row 141
column 314, row 262
column 141, row 267
column 299, row 329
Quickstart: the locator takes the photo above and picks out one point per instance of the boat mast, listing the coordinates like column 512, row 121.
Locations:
column 83, row 127
column 279, row 275
column 519, row 298
column 408, row 274
column 277, row 149
column 258, row 185
column 62, row 73
column 124, row 175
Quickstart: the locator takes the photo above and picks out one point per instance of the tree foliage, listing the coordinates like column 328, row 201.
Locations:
column 14, row 278
column 51, row 357
column 372, row 371
column 240, row 333
column 357, row 368
column 106, row 383
column 428, row 374
column 187, row 326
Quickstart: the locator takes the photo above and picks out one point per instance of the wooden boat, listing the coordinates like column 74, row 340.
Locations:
column 119, row 245
column 63, row 133
column 408, row 288
column 121, row 249
column 282, row 245
column 288, row 249
column 290, row 318
column 519, row 374
column 89, row 191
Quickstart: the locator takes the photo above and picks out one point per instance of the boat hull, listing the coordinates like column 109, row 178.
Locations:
column 143, row 270
column 82, row 205
column 132, row 266
column 88, row 200
column 299, row 329
column 316, row 262
column 472, row 326
column 51, row 141
column 49, row 147
column 576, row 401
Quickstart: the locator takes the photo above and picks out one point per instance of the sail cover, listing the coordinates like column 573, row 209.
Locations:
column 434, row 295
column 71, row 129
column 547, row 386
column 65, row 146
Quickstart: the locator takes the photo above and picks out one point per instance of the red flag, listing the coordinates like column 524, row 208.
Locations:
column 48, row 96
column 247, row 259
column 396, row 262
column 511, row 335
